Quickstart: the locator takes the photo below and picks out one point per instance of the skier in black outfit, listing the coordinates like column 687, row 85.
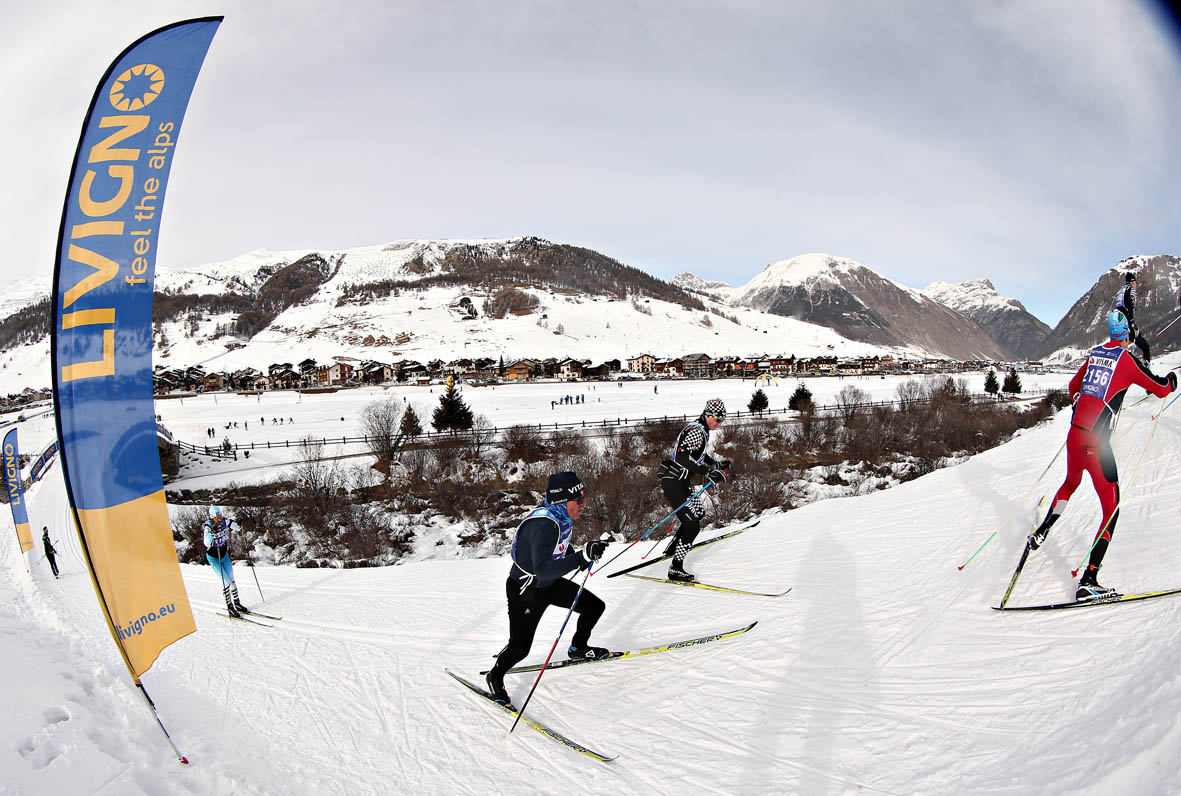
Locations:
column 49, row 550
column 1125, row 302
column 542, row 554
column 676, row 474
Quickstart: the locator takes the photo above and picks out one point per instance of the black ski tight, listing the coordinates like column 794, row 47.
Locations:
column 525, row 610
column 676, row 493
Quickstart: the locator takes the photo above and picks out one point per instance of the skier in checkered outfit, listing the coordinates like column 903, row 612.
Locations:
column 689, row 459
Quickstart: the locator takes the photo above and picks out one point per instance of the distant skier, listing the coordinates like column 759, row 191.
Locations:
column 1125, row 302
column 690, row 459
column 541, row 555
column 217, row 552
column 50, row 550
column 1097, row 391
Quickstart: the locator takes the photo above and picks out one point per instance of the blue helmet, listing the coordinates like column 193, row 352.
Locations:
column 1117, row 325
column 214, row 512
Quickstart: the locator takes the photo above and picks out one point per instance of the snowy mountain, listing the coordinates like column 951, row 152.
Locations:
column 405, row 301
column 1159, row 283
column 1005, row 320
column 722, row 291
column 861, row 304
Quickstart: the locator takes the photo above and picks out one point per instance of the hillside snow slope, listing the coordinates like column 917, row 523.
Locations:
column 883, row 671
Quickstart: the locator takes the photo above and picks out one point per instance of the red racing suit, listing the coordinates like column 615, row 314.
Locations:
column 1097, row 391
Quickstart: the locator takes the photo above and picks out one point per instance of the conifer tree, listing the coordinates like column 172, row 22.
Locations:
column 758, row 401
column 1012, row 382
column 801, row 399
column 410, row 427
column 991, row 385
column 452, row 414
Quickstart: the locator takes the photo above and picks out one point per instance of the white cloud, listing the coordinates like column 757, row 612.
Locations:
column 926, row 140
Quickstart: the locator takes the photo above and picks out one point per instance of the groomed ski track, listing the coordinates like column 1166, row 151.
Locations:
column 884, row 671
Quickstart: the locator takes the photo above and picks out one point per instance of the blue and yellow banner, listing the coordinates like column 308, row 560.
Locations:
column 41, row 462
column 102, row 337
column 16, row 492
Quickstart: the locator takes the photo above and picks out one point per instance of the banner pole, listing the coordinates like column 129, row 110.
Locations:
column 156, row 716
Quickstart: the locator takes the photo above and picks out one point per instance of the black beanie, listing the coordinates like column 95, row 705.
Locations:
column 563, row 487
column 1129, row 277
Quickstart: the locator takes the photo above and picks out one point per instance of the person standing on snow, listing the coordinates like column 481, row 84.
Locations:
column 1125, row 302
column 542, row 554
column 50, row 551
column 217, row 552
column 1097, row 392
column 690, row 459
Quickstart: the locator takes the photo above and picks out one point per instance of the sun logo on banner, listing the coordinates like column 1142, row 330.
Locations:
column 137, row 87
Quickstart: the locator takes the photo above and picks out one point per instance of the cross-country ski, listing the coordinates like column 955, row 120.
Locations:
column 248, row 620
column 1107, row 599
column 534, row 723
column 694, row 546
column 710, row 587
column 675, row 645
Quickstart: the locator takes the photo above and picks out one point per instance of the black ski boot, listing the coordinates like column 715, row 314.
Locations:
column 232, row 611
column 496, row 688
column 1038, row 537
column 583, row 651
column 677, row 572
column 1089, row 588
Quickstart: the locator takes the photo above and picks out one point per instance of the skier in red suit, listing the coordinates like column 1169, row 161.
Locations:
column 1097, row 392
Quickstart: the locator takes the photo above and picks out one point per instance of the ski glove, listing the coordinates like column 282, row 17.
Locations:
column 674, row 470
column 717, row 475
column 1172, row 377
column 594, row 549
column 724, row 464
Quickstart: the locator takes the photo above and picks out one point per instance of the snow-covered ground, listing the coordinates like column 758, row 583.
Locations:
column 883, row 671
column 325, row 416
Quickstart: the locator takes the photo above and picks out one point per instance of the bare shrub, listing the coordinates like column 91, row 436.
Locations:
column 658, row 437
column 620, row 492
column 381, row 425
column 509, row 300
column 569, row 443
column 478, row 439
column 187, row 532
column 909, row 392
column 317, row 492
column 524, row 443
column 850, row 401
column 362, row 530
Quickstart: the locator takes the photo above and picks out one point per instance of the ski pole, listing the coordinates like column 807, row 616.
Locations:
column 1074, row 572
column 521, row 712
column 1166, row 406
column 250, row 563
column 1162, row 331
column 671, row 529
column 708, row 484
column 1019, row 504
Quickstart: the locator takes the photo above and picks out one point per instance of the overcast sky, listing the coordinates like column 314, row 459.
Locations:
column 1034, row 143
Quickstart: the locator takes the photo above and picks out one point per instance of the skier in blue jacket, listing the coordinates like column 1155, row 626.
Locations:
column 542, row 554
column 217, row 552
